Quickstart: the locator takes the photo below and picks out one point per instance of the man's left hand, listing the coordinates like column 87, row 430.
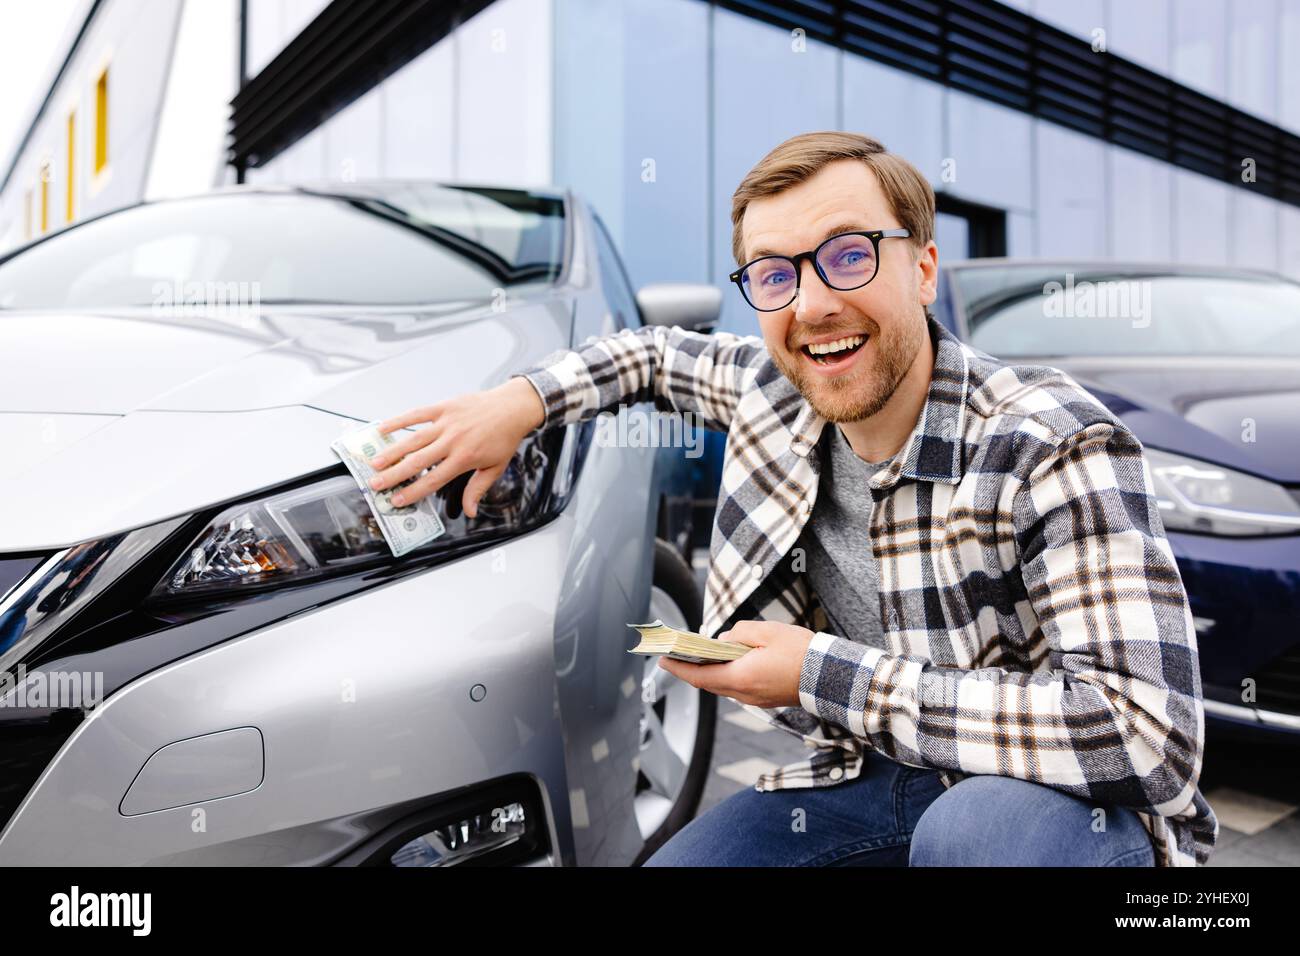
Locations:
column 767, row 676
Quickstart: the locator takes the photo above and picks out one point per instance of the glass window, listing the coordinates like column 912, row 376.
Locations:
column 101, row 121
column 409, row 243
column 72, row 165
column 46, row 173
column 1015, row 313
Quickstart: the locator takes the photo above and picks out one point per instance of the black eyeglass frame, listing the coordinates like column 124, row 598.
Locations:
column 875, row 235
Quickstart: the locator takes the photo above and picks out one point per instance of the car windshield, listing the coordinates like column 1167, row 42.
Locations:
column 395, row 244
column 1033, row 311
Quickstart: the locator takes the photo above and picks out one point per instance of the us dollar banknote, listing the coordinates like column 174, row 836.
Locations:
column 405, row 527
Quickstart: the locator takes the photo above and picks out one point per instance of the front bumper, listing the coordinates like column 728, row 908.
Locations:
column 430, row 684
column 1245, row 599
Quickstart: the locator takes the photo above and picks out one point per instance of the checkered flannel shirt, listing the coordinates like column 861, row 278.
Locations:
column 1037, row 621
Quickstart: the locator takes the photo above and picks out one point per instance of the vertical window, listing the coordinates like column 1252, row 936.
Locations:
column 72, row 160
column 45, row 197
column 101, row 121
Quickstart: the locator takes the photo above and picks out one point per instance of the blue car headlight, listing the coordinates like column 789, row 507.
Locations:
column 1196, row 495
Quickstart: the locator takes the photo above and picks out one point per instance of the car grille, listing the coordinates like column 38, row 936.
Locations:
column 28, row 740
column 26, row 749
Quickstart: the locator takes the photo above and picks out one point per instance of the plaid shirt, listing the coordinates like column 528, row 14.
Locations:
column 1037, row 621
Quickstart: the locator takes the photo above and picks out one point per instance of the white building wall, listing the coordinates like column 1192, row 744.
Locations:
column 991, row 152
column 134, row 38
column 1200, row 219
column 477, row 106
column 1070, row 193
column 648, row 176
column 1199, row 55
column 655, row 109
column 1066, row 194
column 1140, row 213
column 189, row 154
column 768, row 85
column 272, row 24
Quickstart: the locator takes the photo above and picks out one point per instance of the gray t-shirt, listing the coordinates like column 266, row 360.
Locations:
column 837, row 543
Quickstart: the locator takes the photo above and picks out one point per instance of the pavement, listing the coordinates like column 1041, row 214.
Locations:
column 1253, row 788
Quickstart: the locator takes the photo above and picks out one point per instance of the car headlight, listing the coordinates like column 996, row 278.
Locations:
column 1196, row 495
column 327, row 528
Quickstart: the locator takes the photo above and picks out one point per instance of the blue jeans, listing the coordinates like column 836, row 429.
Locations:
column 894, row 815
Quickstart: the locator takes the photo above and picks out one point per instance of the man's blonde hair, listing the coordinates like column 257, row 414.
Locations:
column 910, row 197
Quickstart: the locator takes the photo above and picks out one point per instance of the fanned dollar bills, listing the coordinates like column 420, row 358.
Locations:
column 404, row 528
column 659, row 638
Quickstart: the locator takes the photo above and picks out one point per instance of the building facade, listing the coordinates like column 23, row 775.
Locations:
column 1100, row 129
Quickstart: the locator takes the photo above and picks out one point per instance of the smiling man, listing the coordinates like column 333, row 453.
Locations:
column 952, row 571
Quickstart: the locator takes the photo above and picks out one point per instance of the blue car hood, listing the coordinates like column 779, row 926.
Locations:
column 1243, row 413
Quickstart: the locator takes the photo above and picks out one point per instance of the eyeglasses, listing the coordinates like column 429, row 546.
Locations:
column 844, row 262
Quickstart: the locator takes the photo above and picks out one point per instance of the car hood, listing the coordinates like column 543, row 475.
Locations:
column 1240, row 413
column 350, row 361
column 114, row 421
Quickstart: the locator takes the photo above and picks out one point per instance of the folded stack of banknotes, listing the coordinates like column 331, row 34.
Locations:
column 404, row 528
column 658, row 638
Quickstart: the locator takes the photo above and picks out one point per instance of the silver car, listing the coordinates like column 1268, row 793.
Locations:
column 209, row 655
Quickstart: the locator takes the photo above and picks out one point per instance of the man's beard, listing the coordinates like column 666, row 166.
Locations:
column 864, row 391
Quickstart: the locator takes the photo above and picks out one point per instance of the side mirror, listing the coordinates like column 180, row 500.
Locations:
column 692, row 305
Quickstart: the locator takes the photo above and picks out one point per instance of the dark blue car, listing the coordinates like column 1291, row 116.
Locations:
column 1204, row 366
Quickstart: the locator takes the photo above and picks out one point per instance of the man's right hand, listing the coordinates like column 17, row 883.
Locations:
column 477, row 430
